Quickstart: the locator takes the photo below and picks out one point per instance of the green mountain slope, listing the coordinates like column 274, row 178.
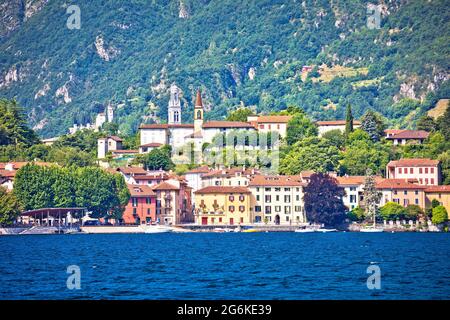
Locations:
column 127, row 53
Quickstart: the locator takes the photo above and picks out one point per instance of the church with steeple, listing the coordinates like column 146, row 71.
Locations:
column 178, row 134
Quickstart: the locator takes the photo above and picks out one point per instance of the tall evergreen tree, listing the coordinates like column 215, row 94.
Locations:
column 373, row 125
column 348, row 121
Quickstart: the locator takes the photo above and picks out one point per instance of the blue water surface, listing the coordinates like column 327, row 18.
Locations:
column 226, row 266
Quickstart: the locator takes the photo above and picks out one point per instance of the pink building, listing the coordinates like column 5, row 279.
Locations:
column 421, row 171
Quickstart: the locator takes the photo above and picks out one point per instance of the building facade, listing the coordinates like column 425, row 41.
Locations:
column 173, row 202
column 421, row 171
column 401, row 192
column 141, row 208
column 278, row 199
column 325, row 126
column 439, row 193
column 223, row 206
column 408, row 136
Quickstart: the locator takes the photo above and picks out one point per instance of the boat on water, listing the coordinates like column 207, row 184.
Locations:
column 157, row 229
column 326, row 230
column 250, row 230
column 305, row 230
column 371, row 229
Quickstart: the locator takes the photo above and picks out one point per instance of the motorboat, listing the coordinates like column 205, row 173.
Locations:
column 326, row 230
column 157, row 229
column 371, row 229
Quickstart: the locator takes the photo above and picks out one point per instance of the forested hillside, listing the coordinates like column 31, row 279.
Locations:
column 252, row 52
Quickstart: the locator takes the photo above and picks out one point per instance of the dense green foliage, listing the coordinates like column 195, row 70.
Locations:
column 157, row 159
column 236, row 51
column 323, row 201
column 9, row 207
column 102, row 193
column 13, row 125
column 440, row 215
column 392, row 211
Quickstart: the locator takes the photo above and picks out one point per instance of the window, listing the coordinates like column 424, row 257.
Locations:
column 257, row 208
column 268, row 199
column 231, row 208
column 257, row 189
column 431, row 181
column 287, row 218
column 148, row 211
column 231, row 198
column 134, row 211
column 277, row 198
column 426, row 170
column 352, row 198
column 287, row 209
column 396, row 200
column 416, row 192
column 405, row 192
column 134, row 201
column 241, row 198
column 241, row 208
column 416, row 201
column 297, row 208
column 420, row 170
column 269, row 126
column 431, row 170
column 277, row 208
column 287, row 189
column 277, row 189
column 352, row 188
column 426, row 180
column 297, row 198
column 257, row 197
column 199, row 114
column 411, row 170
column 242, row 220
column 278, row 126
column 220, row 219
column 405, row 202
column 399, row 170
column 287, row 199
column 261, row 126
column 267, row 189
column 395, row 191
column 148, row 200
column 268, row 210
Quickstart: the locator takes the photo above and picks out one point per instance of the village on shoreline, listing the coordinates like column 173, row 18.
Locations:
column 250, row 196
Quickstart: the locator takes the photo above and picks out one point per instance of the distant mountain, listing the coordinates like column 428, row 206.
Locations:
column 318, row 54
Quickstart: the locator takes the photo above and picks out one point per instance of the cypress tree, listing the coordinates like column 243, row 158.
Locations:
column 348, row 120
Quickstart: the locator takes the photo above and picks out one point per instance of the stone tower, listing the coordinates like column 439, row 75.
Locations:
column 174, row 113
column 198, row 113
column 110, row 113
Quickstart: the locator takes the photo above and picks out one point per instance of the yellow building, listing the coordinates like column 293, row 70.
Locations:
column 223, row 205
column 441, row 194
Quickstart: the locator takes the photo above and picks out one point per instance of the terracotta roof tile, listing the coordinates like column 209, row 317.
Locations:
column 443, row 189
column 151, row 145
column 413, row 163
column 410, row 134
column 288, row 181
column 165, row 186
column 132, row 170
column 140, row 190
column 202, row 169
column 398, row 184
column 274, row 119
column 227, row 124
column 222, row 189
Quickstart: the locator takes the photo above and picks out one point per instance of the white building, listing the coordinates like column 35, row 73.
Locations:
column 325, row 126
column 278, row 199
column 105, row 145
column 270, row 123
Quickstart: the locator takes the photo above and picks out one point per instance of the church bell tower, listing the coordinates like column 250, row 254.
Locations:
column 198, row 113
column 174, row 113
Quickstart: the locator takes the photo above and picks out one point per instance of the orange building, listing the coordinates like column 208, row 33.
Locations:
column 439, row 193
column 401, row 191
column 141, row 209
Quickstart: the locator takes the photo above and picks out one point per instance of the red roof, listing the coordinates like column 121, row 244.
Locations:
column 19, row 164
column 398, row 184
column 443, row 189
column 287, row 181
column 410, row 134
column 336, row 123
column 230, row 172
column 202, row 169
column 227, row 124
column 165, row 126
column 165, row 186
column 132, row 170
column 140, row 190
column 354, row 180
column 198, row 99
column 8, row 173
column 413, row 163
column 222, row 189
column 115, row 138
column 274, row 119
column 151, row 145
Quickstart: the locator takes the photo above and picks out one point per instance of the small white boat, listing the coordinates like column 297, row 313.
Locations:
column 326, row 230
column 371, row 230
column 304, row 230
column 157, row 229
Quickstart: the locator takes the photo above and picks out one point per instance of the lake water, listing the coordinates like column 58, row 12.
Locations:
column 226, row 266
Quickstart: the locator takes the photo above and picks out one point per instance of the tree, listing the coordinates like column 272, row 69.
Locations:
column 413, row 211
column 348, row 121
column 311, row 153
column 299, row 127
column 440, row 215
column 13, row 125
column 239, row 114
column 372, row 196
column 392, row 211
column 9, row 207
column 426, row 123
column 373, row 124
column 323, row 200
column 158, row 159
column 357, row 214
column 443, row 123
column 335, row 137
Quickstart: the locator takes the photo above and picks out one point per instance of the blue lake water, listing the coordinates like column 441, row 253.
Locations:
column 226, row 266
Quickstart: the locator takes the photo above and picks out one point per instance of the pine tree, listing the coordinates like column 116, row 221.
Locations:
column 371, row 124
column 348, row 121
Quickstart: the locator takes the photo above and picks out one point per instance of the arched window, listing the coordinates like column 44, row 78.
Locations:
column 199, row 114
column 176, row 116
